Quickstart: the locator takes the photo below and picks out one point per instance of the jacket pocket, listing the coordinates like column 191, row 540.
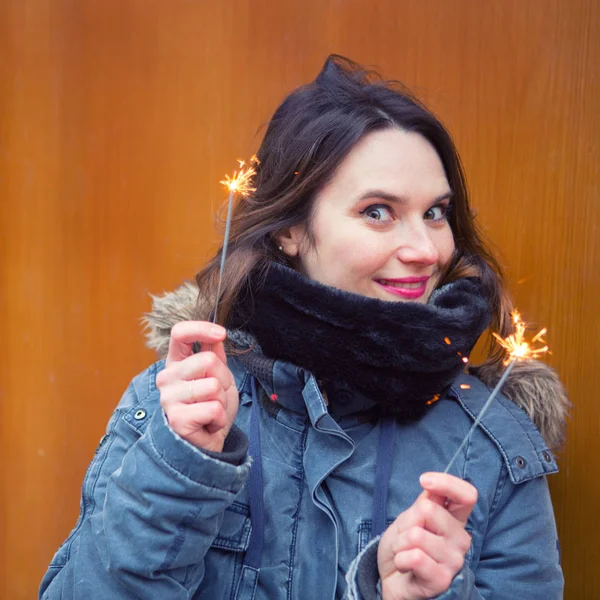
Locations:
column 364, row 533
column 236, row 528
column 225, row 558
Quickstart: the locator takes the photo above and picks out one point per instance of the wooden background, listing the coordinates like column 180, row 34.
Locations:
column 119, row 117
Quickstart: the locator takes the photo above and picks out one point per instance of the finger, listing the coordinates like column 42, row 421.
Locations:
column 439, row 500
column 460, row 496
column 411, row 516
column 186, row 333
column 449, row 552
column 197, row 366
column 437, row 519
column 428, row 573
column 187, row 419
column 218, row 349
column 194, row 391
column 431, row 516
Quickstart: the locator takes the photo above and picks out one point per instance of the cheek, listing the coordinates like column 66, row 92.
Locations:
column 357, row 251
column 446, row 247
column 347, row 253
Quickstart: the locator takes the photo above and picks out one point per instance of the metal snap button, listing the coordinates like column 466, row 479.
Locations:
column 547, row 456
column 520, row 462
column 139, row 414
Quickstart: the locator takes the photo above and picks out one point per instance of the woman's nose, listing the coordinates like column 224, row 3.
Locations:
column 418, row 247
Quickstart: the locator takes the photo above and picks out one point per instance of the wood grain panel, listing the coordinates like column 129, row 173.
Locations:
column 117, row 120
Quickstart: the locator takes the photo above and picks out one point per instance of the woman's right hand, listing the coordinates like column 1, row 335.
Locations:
column 197, row 390
column 421, row 552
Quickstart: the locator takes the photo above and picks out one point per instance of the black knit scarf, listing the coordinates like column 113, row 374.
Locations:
column 402, row 355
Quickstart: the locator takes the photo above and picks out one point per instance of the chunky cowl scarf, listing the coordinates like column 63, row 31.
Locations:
column 401, row 355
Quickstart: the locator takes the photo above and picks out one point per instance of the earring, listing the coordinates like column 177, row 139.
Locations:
column 280, row 248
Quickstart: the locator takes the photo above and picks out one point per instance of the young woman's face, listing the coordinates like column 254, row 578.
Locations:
column 380, row 225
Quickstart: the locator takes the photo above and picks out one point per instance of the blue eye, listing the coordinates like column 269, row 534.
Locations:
column 439, row 212
column 378, row 212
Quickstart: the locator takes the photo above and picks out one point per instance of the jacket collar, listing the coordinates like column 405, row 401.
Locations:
column 520, row 444
column 298, row 390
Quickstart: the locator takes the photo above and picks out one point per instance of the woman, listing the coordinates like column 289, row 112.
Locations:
column 355, row 285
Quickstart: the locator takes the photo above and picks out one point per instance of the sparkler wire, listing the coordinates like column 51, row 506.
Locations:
column 482, row 412
column 224, row 253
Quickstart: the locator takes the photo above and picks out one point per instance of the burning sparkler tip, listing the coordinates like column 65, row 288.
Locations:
column 241, row 182
column 516, row 345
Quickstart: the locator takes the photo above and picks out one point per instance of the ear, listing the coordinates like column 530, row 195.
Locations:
column 291, row 240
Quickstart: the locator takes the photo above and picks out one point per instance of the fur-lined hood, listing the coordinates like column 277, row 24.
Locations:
column 532, row 385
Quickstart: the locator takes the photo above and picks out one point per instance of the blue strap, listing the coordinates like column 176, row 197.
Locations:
column 383, row 471
column 255, row 484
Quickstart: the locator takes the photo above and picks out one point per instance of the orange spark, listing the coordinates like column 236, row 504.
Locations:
column 515, row 344
column 465, row 386
column 241, row 182
column 447, row 340
column 465, row 359
column 434, row 399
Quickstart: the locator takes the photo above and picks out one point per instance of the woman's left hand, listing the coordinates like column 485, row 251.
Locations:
column 421, row 552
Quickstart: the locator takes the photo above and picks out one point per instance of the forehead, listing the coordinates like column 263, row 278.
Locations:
column 402, row 163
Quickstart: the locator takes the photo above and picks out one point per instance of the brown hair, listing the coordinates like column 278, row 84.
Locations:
column 309, row 135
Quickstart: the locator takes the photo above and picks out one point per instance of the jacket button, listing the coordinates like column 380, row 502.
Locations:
column 139, row 414
column 547, row 456
column 520, row 462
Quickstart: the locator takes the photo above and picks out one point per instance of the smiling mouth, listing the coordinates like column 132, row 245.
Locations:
column 410, row 288
column 414, row 285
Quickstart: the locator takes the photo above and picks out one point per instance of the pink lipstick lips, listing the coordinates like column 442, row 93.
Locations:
column 409, row 288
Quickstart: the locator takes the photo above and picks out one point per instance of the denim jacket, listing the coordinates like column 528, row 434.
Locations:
column 161, row 519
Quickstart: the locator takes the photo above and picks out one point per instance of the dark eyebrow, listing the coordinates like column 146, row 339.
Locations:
column 397, row 199
column 446, row 196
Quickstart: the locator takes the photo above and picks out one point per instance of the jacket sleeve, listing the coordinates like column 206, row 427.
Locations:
column 519, row 558
column 362, row 577
column 151, row 506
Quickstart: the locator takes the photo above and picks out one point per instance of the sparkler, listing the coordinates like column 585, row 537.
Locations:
column 518, row 349
column 239, row 183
